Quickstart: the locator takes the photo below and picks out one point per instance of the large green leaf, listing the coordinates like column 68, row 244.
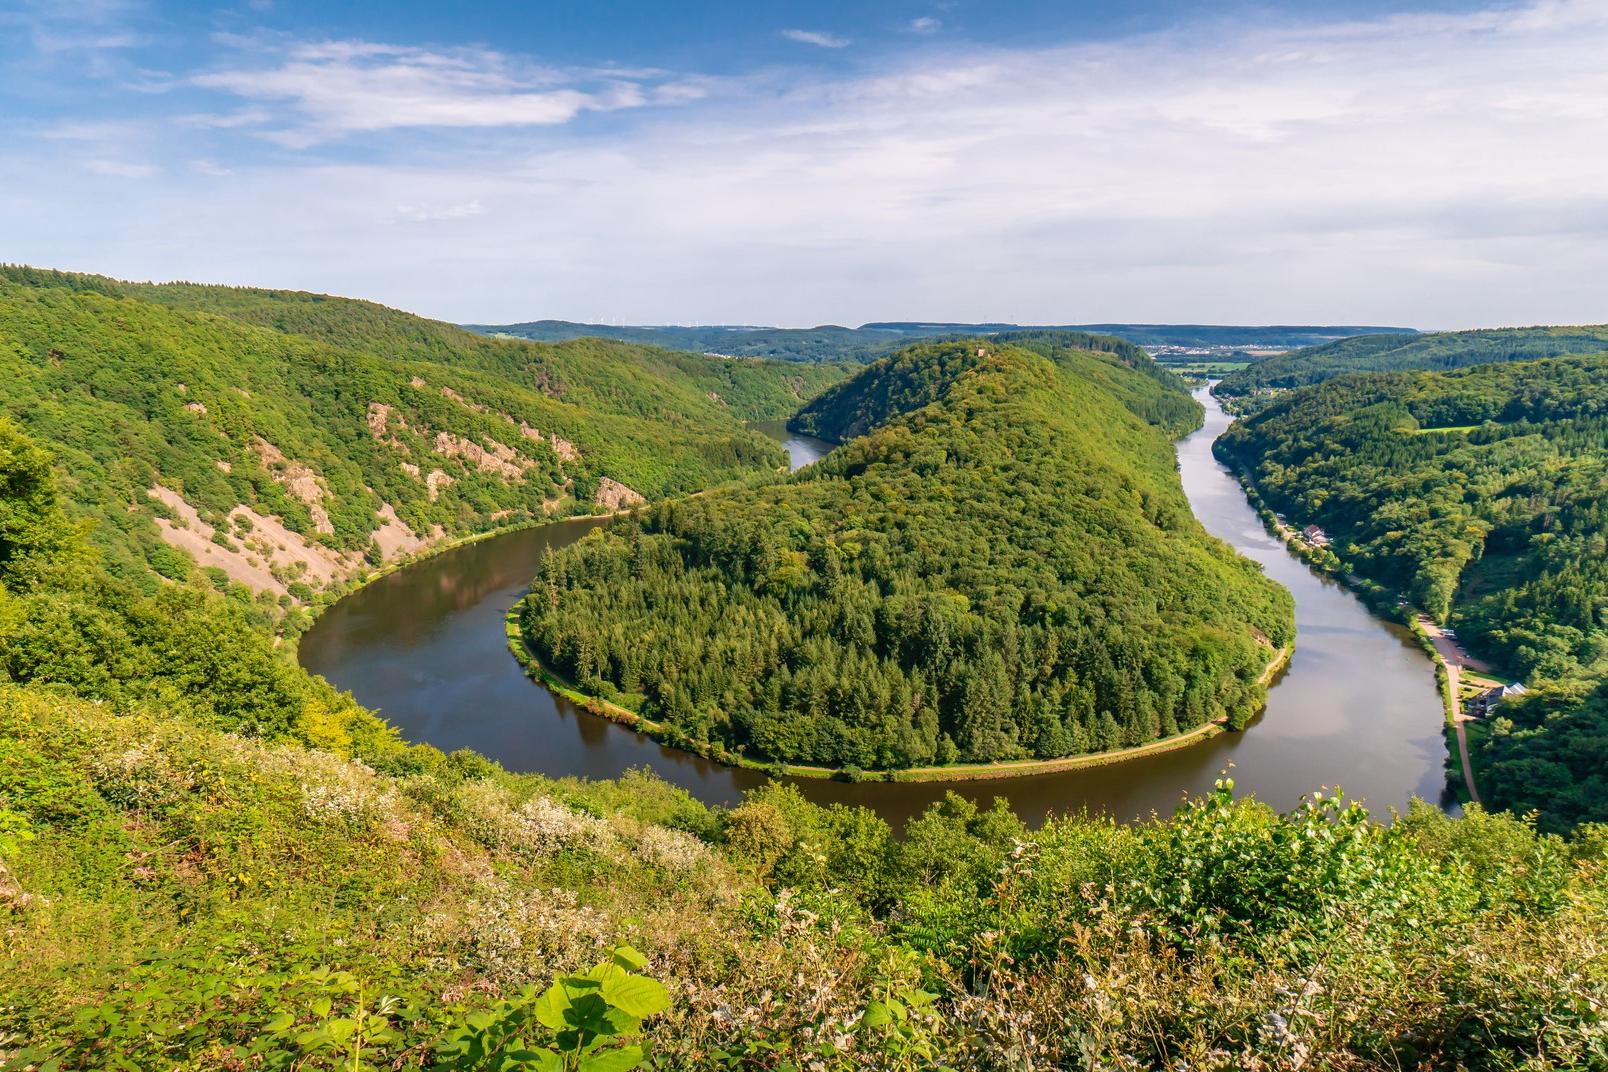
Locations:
column 621, row 1060
column 636, row 995
column 629, row 958
column 551, row 1008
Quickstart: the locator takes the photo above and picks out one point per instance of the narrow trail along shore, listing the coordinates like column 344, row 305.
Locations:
column 1453, row 660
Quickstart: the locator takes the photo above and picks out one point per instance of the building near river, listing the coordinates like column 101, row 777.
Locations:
column 1482, row 704
column 1315, row 536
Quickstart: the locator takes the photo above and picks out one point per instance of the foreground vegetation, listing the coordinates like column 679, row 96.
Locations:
column 1438, row 351
column 1483, row 495
column 184, row 899
column 998, row 564
column 210, row 861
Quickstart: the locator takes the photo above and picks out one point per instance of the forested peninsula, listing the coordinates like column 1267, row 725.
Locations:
column 1482, row 494
column 999, row 563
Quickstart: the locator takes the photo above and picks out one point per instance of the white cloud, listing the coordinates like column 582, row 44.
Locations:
column 75, row 27
column 49, row 42
column 102, row 131
column 241, row 117
column 925, row 25
column 423, row 214
column 817, row 38
column 122, row 169
column 337, row 88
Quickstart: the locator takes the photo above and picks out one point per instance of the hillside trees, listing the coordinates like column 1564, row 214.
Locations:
column 1483, row 495
column 326, row 415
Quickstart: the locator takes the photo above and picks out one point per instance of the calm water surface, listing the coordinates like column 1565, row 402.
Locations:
column 1357, row 707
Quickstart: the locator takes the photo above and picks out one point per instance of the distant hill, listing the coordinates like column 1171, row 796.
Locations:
column 831, row 342
column 1409, row 352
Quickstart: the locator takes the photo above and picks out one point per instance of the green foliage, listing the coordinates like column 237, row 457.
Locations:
column 32, row 529
column 1547, row 753
column 1002, row 565
column 1400, row 352
column 189, row 900
column 587, row 1017
column 65, row 622
column 1482, row 494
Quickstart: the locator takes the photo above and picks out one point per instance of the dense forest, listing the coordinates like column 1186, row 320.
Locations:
column 1402, row 353
column 869, row 342
column 279, row 442
column 999, row 563
column 1483, row 495
column 209, row 861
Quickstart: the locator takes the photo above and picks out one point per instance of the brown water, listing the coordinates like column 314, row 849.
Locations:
column 1357, row 707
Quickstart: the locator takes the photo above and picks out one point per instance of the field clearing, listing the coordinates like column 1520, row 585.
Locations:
column 1203, row 368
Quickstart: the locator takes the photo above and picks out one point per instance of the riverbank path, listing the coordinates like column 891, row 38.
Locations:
column 1455, row 658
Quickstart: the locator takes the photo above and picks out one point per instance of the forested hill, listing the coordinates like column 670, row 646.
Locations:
column 1003, row 565
column 284, row 441
column 1483, row 494
column 869, row 342
column 1400, row 353
column 916, row 377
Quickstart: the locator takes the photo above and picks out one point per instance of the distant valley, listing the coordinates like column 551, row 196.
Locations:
column 870, row 341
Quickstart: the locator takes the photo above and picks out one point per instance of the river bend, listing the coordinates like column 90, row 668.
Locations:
column 1357, row 707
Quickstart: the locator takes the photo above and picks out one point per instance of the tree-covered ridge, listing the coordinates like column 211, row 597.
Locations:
column 304, row 461
column 913, row 378
column 643, row 380
column 1400, row 353
column 1483, row 495
column 1004, row 566
column 870, row 342
column 1157, row 396
column 209, row 860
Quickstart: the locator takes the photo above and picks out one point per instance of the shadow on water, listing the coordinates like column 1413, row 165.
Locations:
column 1356, row 708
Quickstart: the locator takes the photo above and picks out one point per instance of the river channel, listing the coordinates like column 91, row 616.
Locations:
column 1356, row 708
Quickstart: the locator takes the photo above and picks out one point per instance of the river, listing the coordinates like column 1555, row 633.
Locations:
column 1356, row 708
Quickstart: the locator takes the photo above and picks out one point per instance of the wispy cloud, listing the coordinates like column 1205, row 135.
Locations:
column 241, row 117
column 92, row 37
column 926, row 25
column 337, row 88
column 426, row 214
column 122, row 169
column 817, row 38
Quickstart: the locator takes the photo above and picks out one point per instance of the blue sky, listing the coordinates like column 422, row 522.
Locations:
column 1434, row 164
